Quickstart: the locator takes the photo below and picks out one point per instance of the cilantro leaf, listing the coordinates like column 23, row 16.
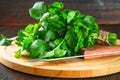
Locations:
column 37, row 10
column 4, row 41
column 71, row 16
column 55, row 7
column 37, row 48
column 56, row 52
column 112, row 38
column 89, row 20
column 50, row 35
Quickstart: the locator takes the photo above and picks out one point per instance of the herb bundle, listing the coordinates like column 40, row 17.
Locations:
column 59, row 32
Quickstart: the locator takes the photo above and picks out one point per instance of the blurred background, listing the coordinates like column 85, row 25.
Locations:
column 14, row 14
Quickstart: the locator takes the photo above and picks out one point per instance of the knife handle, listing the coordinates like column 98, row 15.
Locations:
column 99, row 52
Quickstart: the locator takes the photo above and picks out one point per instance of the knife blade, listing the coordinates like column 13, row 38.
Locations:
column 78, row 56
column 55, row 59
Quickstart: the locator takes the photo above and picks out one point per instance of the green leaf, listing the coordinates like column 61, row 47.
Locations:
column 64, row 13
column 71, row 38
column 90, row 41
column 40, row 6
column 52, row 45
column 58, row 5
column 55, row 8
column 4, row 41
column 56, row 52
column 44, row 20
column 37, row 10
column 55, row 23
column 96, row 27
column 89, row 20
column 32, row 28
column 64, row 46
column 49, row 54
column 41, row 33
column 59, row 53
column 18, row 53
column 35, row 29
column 29, row 28
column 80, row 42
column 79, row 16
column 21, row 36
column 35, row 14
column 71, row 16
column 112, row 38
column 37, row 48
column 30, row 32
column 45, row 17
column 50, row 35
column 57, row 41
column 27, row 42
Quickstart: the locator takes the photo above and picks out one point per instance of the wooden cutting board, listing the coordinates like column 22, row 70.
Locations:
column 69, row 68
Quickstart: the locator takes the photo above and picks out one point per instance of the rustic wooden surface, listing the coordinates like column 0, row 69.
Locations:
column 15, row 12
column 14, row 16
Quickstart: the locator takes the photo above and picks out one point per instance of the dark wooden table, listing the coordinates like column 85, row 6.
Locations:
column 14, row 16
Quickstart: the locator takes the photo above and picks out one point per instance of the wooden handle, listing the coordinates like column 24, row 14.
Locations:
column 103, row 51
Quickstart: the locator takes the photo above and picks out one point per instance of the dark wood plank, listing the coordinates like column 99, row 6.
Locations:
column 15, row 12
column 10, row 31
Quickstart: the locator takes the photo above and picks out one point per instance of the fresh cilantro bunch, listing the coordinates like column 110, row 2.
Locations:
column 59, row 32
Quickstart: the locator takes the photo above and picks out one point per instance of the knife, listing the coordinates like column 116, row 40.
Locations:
column 90, row 53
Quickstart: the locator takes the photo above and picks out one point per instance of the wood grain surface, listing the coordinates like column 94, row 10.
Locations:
column 10, row 74
column 68, row 68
